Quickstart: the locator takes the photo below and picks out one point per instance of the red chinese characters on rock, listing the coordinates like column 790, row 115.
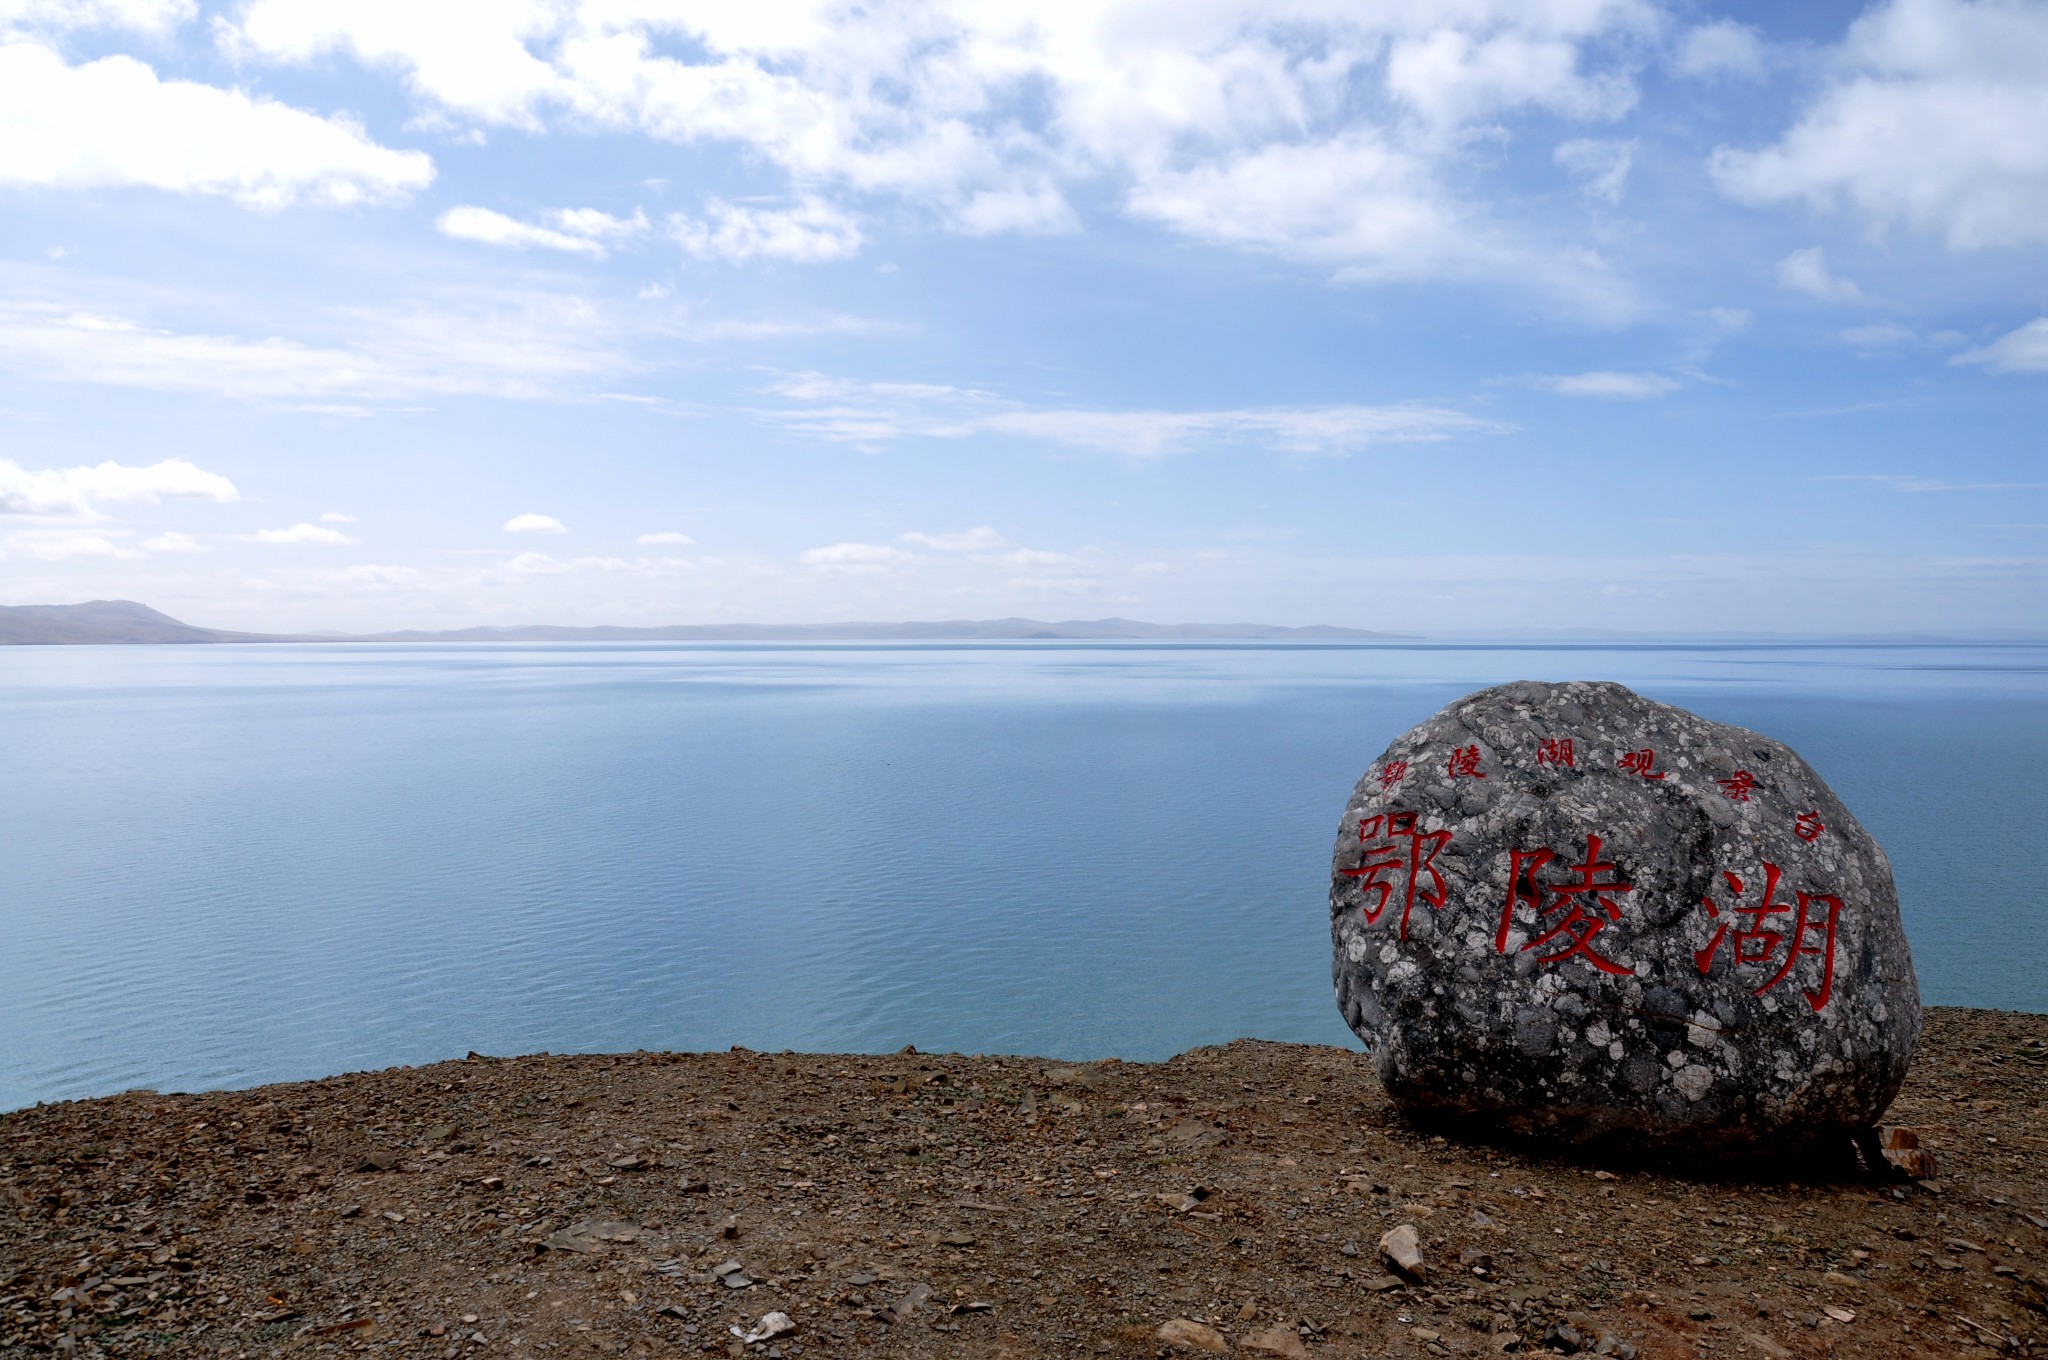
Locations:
column 1758, row 935
column 1555, row 751
column 1398, row 856
column 1464, row 760
column 1736, row 787
column 1808, row 826
column 1587, row 900
column 1392, row 773
column 1639, row 762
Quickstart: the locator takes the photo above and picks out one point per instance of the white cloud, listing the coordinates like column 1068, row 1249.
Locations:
column 813, row 232
column 871, row 413
column 373, row 575
column 1878, row 335
column 1321, row 430
column 65, row 547
column 528, row 347
column 667, row 538
column 152, row 17
column 84, row 346
column 993, row 117
column 1806, row 271
column 1040, row 209
column 1371, row 211
column 74, row 491
column 1035, row 559
column 1932, row 120
column 778, row 328
column 855, row 557
column 529, row 565
column 599, row 225
column 582, row 231
column 522, row 345
column 535, row 524
column 171, row 541
column 846, row 411
column 1453, row 76
column 337, row 517
column 112, row 123
column 879, row 93
column 2020, row 351
column 1612, row 385
column 1358, row 203
column 1600, row 165
column 303, row 532
column 468, row 55
column 979, row 539
column 49, row 547
column 495, row 229
column 1721, row 48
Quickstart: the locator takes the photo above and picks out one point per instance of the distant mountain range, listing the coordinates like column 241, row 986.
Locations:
column 105, row 621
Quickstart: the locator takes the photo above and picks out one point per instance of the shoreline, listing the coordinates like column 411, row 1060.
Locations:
column 940, row 1204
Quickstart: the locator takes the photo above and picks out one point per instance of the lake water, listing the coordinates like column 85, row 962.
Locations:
column 228, row 865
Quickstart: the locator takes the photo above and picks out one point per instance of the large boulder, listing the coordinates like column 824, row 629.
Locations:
column 1567, row 911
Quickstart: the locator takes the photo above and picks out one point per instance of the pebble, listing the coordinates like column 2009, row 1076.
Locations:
column 1403, row 1250
column 1074, row 1076
column 1193, row 1336
column 1275, row 1341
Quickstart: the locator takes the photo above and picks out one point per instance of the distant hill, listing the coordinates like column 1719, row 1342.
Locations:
column 100, row 621
column 105, row 621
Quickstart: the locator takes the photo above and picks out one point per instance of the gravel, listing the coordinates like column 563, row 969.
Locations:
column 943, row 1205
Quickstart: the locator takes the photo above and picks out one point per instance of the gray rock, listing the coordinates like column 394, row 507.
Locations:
column 1567, row 911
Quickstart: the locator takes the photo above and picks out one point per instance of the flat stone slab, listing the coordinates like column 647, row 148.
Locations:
column 1569, row 911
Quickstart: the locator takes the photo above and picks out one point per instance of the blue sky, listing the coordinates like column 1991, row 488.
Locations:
column 1466, row 314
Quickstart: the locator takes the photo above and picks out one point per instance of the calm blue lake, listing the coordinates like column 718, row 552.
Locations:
column 229, row 865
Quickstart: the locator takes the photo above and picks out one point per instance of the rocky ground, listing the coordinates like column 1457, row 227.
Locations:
column 935, row 1205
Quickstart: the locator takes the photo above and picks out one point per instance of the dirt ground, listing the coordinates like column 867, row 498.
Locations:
column 941, row 1205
